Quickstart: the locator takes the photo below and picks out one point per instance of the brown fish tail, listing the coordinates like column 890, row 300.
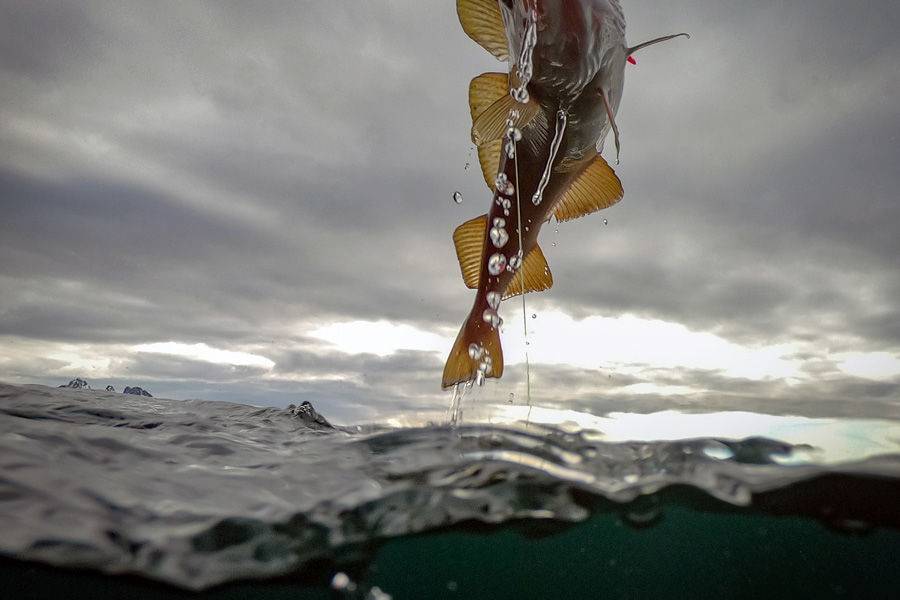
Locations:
column 461, row 365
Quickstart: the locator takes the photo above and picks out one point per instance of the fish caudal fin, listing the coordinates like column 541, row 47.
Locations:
column 473, row 353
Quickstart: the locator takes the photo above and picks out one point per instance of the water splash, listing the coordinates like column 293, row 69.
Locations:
column 525, row 64
column 558, row 133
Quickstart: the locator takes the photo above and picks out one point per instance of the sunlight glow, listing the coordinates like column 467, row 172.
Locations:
column 378, row 337
column 556, row 338
column 881, row 366
column 207, row 354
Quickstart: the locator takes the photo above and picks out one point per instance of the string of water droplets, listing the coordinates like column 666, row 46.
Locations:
column 520, row 94
column 498, row 235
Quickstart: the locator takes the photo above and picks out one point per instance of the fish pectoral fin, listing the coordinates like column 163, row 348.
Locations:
column 491, row 122
column 489, row 158
column 482, row 21
column 536, row 274
column 596, row 188
column 461, row 366
column 469, row 241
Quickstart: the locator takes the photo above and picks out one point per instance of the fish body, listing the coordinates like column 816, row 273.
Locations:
column 542, row 159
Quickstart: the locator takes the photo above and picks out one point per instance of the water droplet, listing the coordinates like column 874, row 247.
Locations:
column 466, row 168
column 534, row 315
column 515, row 261
column 479, row 378
column 496, row 264
column 498, row 222
column 554, row 244
column 605, row 222
column 561, row 120
column 490, row 316
column 457, row 197
column 475, row 351
column 512, row 397
column 341, row 581
column 510, row 148
column 493, row 299
column 513, row 133
column 503, row 185
column 520, row 95
column 499, row 237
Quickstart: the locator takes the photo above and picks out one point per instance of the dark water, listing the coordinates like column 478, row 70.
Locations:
column 104, row 495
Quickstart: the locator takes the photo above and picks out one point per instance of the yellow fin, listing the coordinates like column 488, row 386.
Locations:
column 537, row 275
column 491, row 122
column 469, row 241
column 597, row 187
column 489, row 158
column 484, row 90
column 482, row 21
column 461, row 367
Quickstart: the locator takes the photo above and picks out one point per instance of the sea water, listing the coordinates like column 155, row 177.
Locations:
column 112, row 495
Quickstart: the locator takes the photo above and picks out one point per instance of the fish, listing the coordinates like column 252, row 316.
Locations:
column 539, row 129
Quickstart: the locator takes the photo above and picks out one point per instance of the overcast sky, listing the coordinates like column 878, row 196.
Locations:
column 252, row 202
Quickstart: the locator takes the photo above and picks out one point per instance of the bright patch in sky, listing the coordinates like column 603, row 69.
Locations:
column 880, row 366
column 207, row 353
column 556, row 338
column 379, row 337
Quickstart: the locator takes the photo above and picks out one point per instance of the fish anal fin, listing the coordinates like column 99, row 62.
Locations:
column 469, row 241
column 537, row 275
column 489, row 158
column 482, row 21
column 491, row 122
column 461, row 366
column 597, row 187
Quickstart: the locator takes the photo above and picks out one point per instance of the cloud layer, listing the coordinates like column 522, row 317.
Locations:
column 243, row 176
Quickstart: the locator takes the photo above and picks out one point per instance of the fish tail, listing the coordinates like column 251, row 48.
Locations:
column 477, row 346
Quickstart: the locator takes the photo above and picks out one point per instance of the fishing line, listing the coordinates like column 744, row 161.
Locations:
column 522, row 275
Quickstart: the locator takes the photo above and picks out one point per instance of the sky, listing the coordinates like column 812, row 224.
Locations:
column 252, row 202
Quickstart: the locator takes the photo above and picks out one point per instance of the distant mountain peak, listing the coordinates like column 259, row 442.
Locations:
column 78, row 383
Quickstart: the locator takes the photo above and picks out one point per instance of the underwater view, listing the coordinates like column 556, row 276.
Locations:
column 338, row 318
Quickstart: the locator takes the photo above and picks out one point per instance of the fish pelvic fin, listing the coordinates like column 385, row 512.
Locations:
column 536, row 273
column 463, row 365
column 482, row 21
column 597, row 187
column 469, row 241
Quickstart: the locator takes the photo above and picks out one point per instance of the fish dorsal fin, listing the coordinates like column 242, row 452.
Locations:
column 537, row 275
column 482, row 21
column 489, row 158
column 597, row 187
column 491, row 122
column 469, row 241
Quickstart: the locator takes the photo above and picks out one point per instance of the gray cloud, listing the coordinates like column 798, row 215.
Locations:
column 229, row 174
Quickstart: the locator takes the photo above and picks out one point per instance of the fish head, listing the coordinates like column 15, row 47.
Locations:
column 574, row 40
